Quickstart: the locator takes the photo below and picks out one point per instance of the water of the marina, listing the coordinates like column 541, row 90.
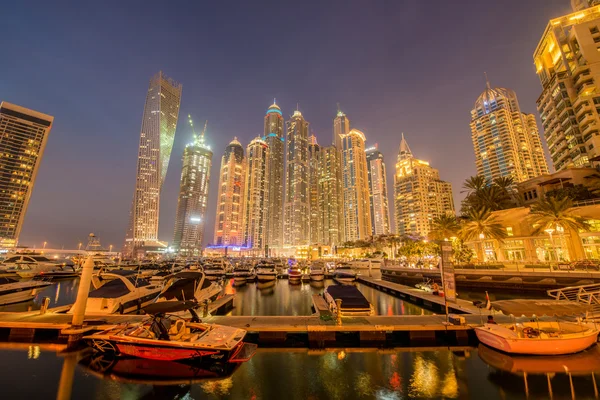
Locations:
column 276, row 298
column 31, row 372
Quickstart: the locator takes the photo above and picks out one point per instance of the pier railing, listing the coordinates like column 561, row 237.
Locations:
column 587, row 294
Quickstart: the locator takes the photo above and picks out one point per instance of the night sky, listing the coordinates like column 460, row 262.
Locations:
column 394, row 66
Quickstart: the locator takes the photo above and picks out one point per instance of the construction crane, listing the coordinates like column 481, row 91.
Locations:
column 193, row 131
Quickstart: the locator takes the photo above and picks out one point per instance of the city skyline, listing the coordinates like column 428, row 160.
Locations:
column 374, row 114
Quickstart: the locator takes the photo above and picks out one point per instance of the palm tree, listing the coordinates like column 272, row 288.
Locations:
column 555, row 212
column 507, row 185
column 443, row 227
column 480, row 224
column 474, row 184
column 492, row 197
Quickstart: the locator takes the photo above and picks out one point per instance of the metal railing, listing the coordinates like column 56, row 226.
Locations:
column 586, row 294
column 582, row 203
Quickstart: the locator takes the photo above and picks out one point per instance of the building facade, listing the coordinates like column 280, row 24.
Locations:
column 193, row 198
column 378, row 196
column 161, row 112
column 331, row 197
column 256, row 194
column 419, row 194
column 314, row 177
column 341, row 126
column 229, row 225
column 506, row 141
column 23, row 137
column 274, row 137
column 296, row 221
column 355, row 181
column 567, row 61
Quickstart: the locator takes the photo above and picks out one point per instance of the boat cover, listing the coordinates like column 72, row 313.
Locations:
column 350, row 295
column 163, row 307
column 538, row 308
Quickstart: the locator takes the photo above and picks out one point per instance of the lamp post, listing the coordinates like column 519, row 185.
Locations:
column 79, row 247
column 481, row 237
column 550, row 231
column 110, row 248
column 44, row 246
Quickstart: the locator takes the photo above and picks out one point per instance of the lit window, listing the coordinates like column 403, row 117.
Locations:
column 509, row 231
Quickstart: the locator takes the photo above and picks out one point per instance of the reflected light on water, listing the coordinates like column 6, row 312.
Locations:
column 57, row 292
column 363, row 384
column 341, row 355
column 450, row 385
column 424, row 380
column 33, row 353
column 220, row 387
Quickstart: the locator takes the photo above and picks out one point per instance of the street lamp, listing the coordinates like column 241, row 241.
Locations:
column 45, row 245
column 79, row 248
column 110, row 248
column 550, row 231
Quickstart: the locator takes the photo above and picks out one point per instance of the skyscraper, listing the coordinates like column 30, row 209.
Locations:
column 378, row 198
column 159, row 121
column 274, row 137
column 567, row 61
column 314, row 177
column 23, row 137
column 296, row 221
column 331, row 197
column 357, row 213
column 419, row 194
column 506, row 141
column 193, row 197
column 256, row 194
column 230, row 203
column 341, row 126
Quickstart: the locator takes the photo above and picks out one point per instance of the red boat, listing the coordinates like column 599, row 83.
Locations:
column 170, row 337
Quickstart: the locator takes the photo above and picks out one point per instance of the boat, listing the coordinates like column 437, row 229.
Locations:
column 243, row 273
column 294, row 275
column 354, row 303
column 166, row 337
column 14, row 291
column 265, row 271
column 317, row 272
column 28, row 265
column 60, row 272
column 214, row 270
column 120, row 292
column 537, row 337
column 344, row 274
column 360, row 264
column 266, row 288
column 189, row 285
column 279, row 265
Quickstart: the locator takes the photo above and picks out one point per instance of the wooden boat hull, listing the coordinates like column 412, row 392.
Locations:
column 317, row 277
column 549, row 346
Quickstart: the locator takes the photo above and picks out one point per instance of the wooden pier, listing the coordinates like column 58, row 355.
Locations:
column 420, row 297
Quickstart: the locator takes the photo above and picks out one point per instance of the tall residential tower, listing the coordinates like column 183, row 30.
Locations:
column 23, row 137
column 157, row 134
column 230, row 201
column 193, row 197
column 378, row 196
column 419, row 194
column 296, row 217
column 506, row 141
column 355, row 181
column 567, row 61
column 274, row 138
column 256, row 207
column 331, row 197
column 314, row 177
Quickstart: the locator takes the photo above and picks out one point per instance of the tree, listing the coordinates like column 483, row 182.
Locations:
column 461, row 252
column 497, row 195
column 443, row 227
column 473, row 184
column 574, row 192
column 480, row 224
column 594, row 183
column 555, row 212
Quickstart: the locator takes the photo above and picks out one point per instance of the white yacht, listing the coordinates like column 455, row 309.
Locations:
column 243, row 273
column 214, row 270
column 344, row 274
column 29, row 265
column 317, row 272
column 265, row 271
column 120, row 292
column 13, row 291
column 189, row 285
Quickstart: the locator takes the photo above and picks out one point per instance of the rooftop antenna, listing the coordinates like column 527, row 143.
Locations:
column 274, row 100
column 338, row 106
column 297, row 106
column 487, row 82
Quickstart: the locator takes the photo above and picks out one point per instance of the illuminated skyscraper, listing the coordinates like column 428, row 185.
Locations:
column 296, row 222
column 314, row 177
column 506, row 141
column 256, row 194
column 159, row 121
column 567, row 61
column 355, row 181
column 419, row 194
column 193, row 197
column 229, row 225
column 274, row 137
column 378, row 198
column 23, row 137
column 331, row 197
column 341, row 126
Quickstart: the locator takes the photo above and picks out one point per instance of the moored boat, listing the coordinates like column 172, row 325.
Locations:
column 170, row 338
column 538, row 337
column 344, row 274
column 189, row 285
column 214, row 270
column 294, row 275
column 265, row 271
column 354, row 303
column 243, row 273
column 317, row 272
column 13, row 291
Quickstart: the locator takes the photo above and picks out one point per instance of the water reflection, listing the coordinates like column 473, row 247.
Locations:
column 303, row 374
